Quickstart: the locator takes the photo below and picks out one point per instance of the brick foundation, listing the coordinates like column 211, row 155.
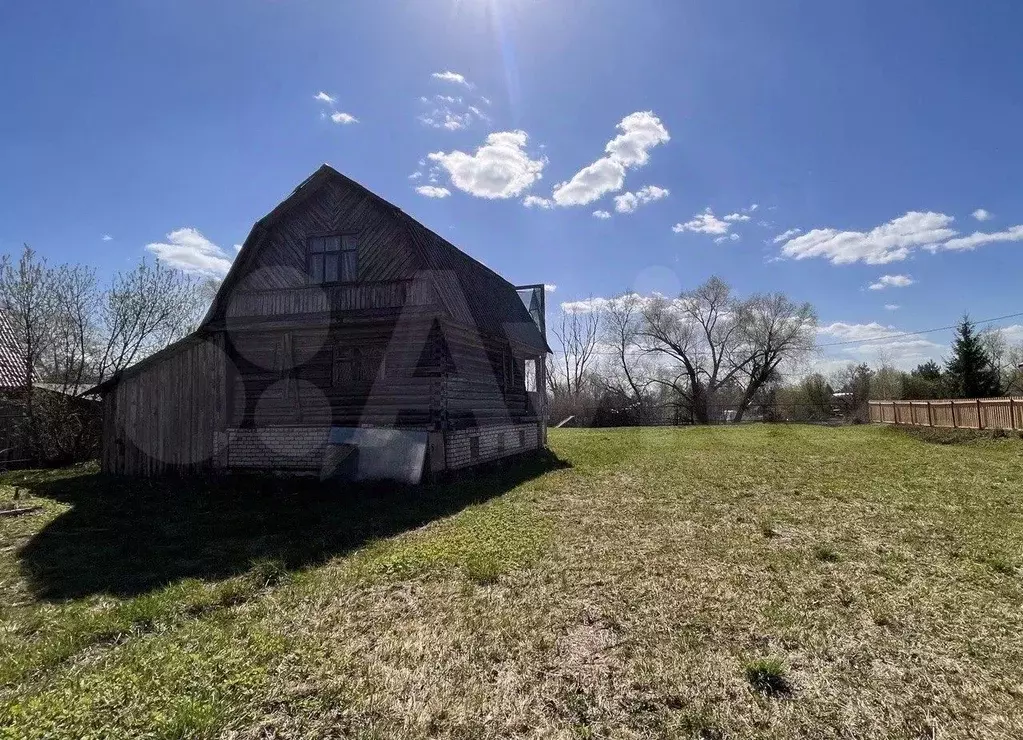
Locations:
column 296, row 449
column 276, row 448
column 492, row 443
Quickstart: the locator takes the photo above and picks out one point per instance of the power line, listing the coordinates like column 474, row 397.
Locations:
column 866, row 340
column 917, row 333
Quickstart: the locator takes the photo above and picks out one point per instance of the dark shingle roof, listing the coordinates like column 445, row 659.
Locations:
column 12, row 369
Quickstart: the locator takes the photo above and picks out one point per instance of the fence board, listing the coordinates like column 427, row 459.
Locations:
column 959, row 413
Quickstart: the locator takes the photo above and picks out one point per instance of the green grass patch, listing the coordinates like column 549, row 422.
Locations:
column 642, row 584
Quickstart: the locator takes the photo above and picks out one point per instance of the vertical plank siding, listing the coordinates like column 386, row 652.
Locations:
column 166, row 419
column 959, row 413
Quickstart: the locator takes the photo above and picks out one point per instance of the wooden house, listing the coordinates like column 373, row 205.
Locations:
column 347, row 339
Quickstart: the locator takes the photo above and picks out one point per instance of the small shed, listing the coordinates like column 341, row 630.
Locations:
column 347, row 339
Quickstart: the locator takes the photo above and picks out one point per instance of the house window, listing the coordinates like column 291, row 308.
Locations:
column 474, row 448
column 500, row 442
column 358, row 365
column 333, row 259
column 522, row 438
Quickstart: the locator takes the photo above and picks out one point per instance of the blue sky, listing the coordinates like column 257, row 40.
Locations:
column 874, row 128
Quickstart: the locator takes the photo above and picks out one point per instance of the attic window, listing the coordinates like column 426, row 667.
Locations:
column 333, row 259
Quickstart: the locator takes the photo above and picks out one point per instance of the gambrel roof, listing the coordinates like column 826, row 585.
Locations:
column 469, row 291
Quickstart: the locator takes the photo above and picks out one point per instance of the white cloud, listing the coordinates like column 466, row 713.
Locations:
column 603, row 215
column 107, row 238
column 640, row 132
column 446, row 119
column 237, row 248
column 343, row 118
column 754, row 207
column 844, row 332
column 869, row 342
column 892, row 307
column 432, row 191
column 1013, row 334
column 733, row 237
column 550, row 287
column 501, row 168
column 188, row 250
column 590, row 183
column 889, row 242
column 703, row 223
column 324, row 98
column 535, row 201
column 452, row 77
column 736, row 217
column 785, row 236
column 588, row 305
column 892, row 281
column 415, row 175
column 629, row 202
column 979, row 239
column 982, row 215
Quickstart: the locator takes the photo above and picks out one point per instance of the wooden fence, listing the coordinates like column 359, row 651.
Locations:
column 959, row 413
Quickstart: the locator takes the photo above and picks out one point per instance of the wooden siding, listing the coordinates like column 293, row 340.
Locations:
column 383, row 249
column 303, row 389
column 166, row 418
column 313, row 299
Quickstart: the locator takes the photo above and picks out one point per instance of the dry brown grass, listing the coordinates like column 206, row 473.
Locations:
column 664, row 586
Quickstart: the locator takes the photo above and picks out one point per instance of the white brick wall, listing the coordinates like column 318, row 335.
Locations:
column 302, row 448
column 276, row 448
column 516, row 437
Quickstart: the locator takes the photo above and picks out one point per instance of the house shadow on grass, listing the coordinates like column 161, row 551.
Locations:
column 126, row 536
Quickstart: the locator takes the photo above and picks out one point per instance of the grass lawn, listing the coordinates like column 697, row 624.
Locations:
column 758, row 581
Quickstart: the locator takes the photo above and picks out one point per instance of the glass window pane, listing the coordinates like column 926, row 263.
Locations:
column 316, row 268
column 349, row 267
column 332, row 243
column 348, row 242
column 316, row 244
column 330, row 268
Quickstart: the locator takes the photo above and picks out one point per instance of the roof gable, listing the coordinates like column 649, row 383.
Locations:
column 469, row 291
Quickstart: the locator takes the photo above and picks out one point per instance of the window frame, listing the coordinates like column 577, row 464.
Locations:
column 348, row 243
column 356, row 357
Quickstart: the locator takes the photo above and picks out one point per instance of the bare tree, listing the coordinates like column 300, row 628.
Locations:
column 624, row 372
column 699, row 334
column 143, row 311
column 577, row 333
column 716, row 344
column 72, row 349
column 27, row 300
column 774, row 330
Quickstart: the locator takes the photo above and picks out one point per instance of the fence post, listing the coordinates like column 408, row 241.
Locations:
column 930, row 419
column 952, row 404
column 980, row 416
column 895, row 413
column 1012, row 415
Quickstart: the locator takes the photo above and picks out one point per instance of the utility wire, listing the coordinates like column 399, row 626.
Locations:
column 867, row 340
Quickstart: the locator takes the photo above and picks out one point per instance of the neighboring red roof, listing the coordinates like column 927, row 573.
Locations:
column 12, row 369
